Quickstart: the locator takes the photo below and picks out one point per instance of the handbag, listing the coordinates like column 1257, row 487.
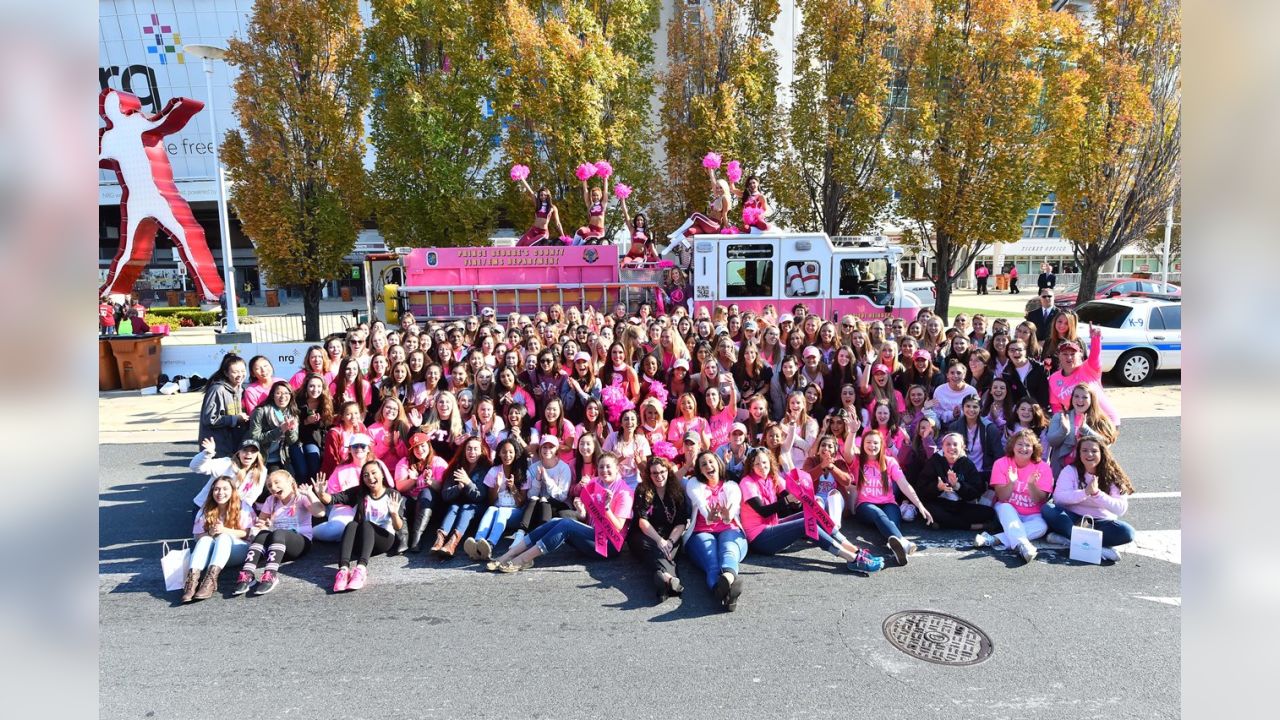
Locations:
column 175, row 564
column 1086, row 542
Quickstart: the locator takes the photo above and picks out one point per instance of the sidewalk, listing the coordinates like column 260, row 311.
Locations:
column 996, row 303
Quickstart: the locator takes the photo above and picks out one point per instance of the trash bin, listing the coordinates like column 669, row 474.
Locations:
column 273, row 298
column 172, row 297
column 1002, row 282
column 108, row 375
column 138, row 360
column 192, row 300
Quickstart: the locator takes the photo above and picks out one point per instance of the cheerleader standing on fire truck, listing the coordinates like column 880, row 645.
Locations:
column 544, row 211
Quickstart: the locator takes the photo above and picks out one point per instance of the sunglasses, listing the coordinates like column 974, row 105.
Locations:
column 360, row 447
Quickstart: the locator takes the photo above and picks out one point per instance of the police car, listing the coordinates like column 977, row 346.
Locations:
column 1139, row 335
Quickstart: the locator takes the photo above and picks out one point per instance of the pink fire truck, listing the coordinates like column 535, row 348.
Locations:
column 857, row 276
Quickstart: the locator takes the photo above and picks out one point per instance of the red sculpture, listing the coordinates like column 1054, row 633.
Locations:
column 132, row 145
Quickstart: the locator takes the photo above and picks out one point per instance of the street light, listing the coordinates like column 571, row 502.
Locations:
column 209, row 53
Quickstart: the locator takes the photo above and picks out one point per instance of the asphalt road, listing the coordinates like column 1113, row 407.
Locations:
column 573, row 640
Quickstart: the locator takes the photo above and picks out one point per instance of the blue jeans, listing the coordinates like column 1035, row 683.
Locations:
column 885, row 517
column 222, row 551
column 718, row 552
column 494, row 523
column 1114, row 532
column 549, row 536
column 773, row 540
column 304, row 462
column 458, row 518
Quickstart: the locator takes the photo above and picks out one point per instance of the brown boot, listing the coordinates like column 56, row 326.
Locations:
column 439, row 543
column 452, row 546
column 189, row 586
column 209, row 585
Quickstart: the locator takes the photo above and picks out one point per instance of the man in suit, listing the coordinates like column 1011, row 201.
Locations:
column 1047, row 279
column 1043, row 316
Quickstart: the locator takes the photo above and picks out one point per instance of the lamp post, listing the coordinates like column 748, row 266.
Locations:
column 209, row 53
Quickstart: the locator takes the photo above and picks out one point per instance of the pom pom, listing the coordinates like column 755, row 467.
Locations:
column 604, row 169
column 752, row 215
column 622, row 191
column 615, row 401
column 586, row 171
column 733, row 171
column 665, row 264
column 731, row 230
column 664, row 449
column 519, row 172
column 658, row 392
column 711, row 160
column 566, row 240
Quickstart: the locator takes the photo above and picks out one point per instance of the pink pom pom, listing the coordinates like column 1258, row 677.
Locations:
column 622, row 191
column 733, row 171
column 566, row 240
column 615, row 401
column 665, row 264
column 752, row 215
column 604, row 169
column 731, row 230
column 519, row 172
column 586, row 171
column 664, row 449
column 711, row 160
column 658, row 392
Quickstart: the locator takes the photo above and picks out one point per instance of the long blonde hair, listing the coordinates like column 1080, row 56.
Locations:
column 212, row 513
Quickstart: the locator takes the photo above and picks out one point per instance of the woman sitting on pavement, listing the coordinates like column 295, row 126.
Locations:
column 506, row 500
column 773, row 519
column 1022, row 481
column 949, row 484
column 874, row 501
column 1083, row 419
column 461, row 495
column 245, row 467
column 374, row 528
column 220, row 529
column 661, row 511
column 717, row 545
column 419, row 476
column 548, row 538
column 1096, row 486
column 282, row 533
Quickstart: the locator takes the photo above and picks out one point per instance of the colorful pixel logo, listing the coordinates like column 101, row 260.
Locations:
column 157, row 45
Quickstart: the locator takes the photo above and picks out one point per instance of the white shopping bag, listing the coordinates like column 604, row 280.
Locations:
column 175, row 564
column 1086, row 542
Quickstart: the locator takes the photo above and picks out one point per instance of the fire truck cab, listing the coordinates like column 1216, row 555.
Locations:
column 858, row 276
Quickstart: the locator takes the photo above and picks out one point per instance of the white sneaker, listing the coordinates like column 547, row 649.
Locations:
column 984, row 539
column 908, row 512
column 1058, row 540
column 1110, row 554
column 1027, row 551
column 912, row 547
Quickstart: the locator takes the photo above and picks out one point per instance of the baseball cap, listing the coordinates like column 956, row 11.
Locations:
column 738, row 427
column 1069, row 344
column 417, row 439
column 922, row 355
column 786, row 317
column 250, row 442
column 692, row 435
column 750, row 325
column 812, row 351
column 359, row 439
column 581, row 356
column 880, row 368
column 681, row 363
column 551, row 440
column 487, row 312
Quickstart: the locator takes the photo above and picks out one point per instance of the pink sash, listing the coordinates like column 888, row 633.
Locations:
column 814, row 514
column 593, row 499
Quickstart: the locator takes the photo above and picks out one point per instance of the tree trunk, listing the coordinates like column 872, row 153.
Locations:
column 942, row 280
column 311, row 311
column 1089, row 267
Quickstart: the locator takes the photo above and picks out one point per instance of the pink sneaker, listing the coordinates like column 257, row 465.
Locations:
column 358, row 578
column 340, row 583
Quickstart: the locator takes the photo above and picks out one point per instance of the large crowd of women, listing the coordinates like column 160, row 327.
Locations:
column 714, row 434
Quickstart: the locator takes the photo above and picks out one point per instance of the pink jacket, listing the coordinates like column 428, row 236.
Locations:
column 1068, row 495
column 1090, row 373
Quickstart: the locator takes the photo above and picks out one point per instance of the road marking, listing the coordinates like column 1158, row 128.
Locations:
column 1174, row 601
column 1158, row 544
column 1154, row 495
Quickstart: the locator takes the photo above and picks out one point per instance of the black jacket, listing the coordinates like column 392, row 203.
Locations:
column 972, row 482
column 1043, row 325
column 1036, row 386
column 1046, row 280
column 992, row 441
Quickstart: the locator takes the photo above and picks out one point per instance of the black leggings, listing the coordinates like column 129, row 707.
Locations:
column 953, row 515
column 651, row 555
column 537, row 512
column 280, row 546
column 371, row 538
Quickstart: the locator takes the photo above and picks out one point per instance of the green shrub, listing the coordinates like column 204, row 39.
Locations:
column 179, row 311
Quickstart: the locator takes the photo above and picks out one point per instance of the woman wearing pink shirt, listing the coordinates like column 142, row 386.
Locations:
column 344, row 476
column 553, row 423
column 390, row 432
column 349, row 385
column 722, row 413
column 773, row 518
column 418, row 476
column 687, row 421
column 717, row 545
column 652, row 425
column 874, row 502
column 630, row 446
column 548, row 537
column 220, row 529
column 314, row 362
column 1073, row 370
column 1096, row 486
column 1022, row 481
column 261, row 378
column 282, row 533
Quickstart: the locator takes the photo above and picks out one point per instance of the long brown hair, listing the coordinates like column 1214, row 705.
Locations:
column 648, row 492
column 881, row 460
column 1109, row 474
column 212, row 512
column 1094, row 417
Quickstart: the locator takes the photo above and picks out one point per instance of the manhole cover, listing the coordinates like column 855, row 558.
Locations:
column 937, row 637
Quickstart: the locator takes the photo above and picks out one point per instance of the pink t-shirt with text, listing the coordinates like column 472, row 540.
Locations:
column 1021, row 498
column 875, row 486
